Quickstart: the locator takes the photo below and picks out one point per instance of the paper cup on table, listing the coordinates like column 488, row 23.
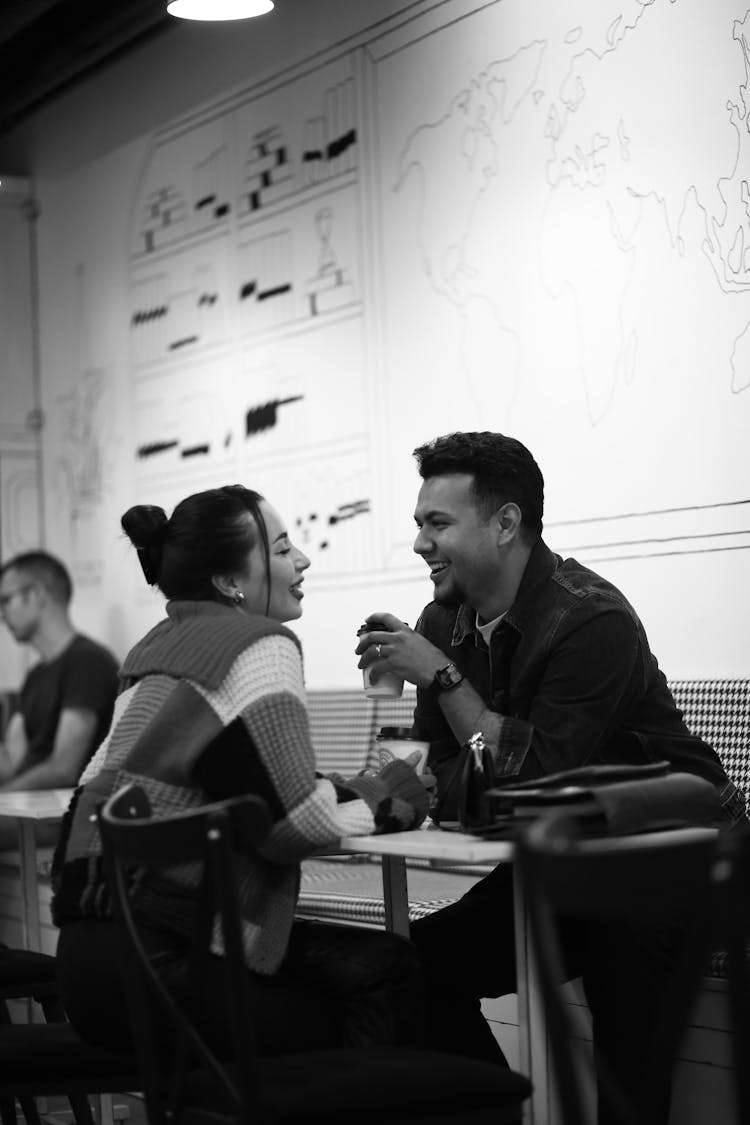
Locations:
column 394, row 743
column 386, row 685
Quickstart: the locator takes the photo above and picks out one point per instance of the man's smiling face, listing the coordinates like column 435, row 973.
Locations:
column 457, row 540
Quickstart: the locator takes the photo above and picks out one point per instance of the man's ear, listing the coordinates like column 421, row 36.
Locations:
column 508, row 519
column 40, row 593
column 225, row 584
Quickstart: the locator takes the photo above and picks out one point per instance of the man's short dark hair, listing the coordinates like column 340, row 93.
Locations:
column 45, row 569
column 502, row 468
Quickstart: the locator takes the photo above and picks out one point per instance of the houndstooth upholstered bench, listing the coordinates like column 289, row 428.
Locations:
column 343, row 727
column 343, row 724
column 719, row 712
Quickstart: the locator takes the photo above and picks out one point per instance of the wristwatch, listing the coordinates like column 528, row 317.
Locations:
column 447, row 678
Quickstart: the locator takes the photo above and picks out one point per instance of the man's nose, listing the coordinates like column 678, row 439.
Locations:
column 421, row 543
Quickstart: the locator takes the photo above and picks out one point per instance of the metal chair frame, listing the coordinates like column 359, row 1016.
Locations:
column 333, row 1085
column 616, row 879
column 132, row 840
column 95, row 1073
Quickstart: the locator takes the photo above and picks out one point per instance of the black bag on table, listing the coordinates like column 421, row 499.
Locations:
column 606, row 799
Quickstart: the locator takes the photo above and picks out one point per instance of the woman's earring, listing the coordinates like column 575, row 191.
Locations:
column 239, row 597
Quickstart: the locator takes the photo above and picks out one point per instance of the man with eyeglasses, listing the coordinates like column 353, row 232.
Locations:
column 65, row 703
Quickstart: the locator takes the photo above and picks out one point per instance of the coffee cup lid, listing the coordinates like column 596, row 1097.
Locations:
column 395, row 732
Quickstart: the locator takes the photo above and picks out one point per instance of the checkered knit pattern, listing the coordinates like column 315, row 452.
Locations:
column 209, row 712
column 719, row 712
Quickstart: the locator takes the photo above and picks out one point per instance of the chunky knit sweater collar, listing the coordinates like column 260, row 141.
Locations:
column 198, row 641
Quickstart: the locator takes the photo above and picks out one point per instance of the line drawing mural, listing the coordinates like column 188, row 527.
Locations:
column 266, row 416
column 469, row 219
column 266, row 291
column 563, row 225
column 269, row 171
column 330, row 141
column 331, row 287
column 84, row 444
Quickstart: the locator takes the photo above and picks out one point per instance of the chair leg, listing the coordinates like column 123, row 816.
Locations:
column 30, row 1111
column 81, row 1107
column 8, row 1111
column 53, row 1009
column 106, row 1109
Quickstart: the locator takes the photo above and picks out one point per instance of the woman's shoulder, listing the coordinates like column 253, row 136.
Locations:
column 268, row 666
column 201, row 641
column 253, row 627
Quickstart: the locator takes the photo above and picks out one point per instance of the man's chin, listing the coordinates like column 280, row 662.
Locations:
column 448, row 596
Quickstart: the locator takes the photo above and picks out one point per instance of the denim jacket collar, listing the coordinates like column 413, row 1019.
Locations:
column 541, row 564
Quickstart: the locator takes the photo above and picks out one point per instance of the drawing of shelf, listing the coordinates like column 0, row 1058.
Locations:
column 266, row 292
column 330, row 139
column 163, row 218
column 148, row 331
column 208, row 205
column 167, row 319
column 331, row 288
column 268, row 173
column 186, row 191
column 168, row 441
column 332, row 516
column 183, row 420
column 325, row 499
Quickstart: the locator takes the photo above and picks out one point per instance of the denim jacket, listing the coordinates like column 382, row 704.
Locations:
column 568, row 680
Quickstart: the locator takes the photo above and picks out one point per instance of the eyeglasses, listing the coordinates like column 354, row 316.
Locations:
column 6, row 599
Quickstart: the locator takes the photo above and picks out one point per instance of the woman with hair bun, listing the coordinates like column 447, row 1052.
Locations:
column 212, row 705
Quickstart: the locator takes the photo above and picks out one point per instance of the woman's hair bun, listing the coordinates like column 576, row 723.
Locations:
column 145, row 525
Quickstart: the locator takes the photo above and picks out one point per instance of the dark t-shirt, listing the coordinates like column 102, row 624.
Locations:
column 83, row 676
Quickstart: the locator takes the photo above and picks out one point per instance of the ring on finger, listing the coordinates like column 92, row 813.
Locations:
column 377, row 650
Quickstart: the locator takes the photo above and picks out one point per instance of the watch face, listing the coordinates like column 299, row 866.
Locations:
column 448, row 677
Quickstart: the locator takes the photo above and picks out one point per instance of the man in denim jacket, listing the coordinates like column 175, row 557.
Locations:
column 551, row 663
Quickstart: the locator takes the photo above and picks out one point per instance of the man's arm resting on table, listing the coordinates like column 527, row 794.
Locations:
column 63, row 767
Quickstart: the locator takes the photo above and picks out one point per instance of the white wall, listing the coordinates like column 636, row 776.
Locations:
column 539, row 228
column 20, row 518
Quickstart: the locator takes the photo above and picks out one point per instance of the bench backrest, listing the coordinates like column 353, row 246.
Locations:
column 343, row 724
column 719, row 712
column 341, row 729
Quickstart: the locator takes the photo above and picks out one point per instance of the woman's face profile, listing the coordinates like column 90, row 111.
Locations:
column 287, row 567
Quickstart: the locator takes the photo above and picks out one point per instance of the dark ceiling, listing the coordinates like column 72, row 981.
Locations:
column 48, row 45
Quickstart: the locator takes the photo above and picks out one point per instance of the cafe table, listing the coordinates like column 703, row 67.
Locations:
column 394, row 849
column 29, row 808
column 454, row 847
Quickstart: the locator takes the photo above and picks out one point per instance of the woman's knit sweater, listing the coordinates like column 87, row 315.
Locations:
column 213, row 706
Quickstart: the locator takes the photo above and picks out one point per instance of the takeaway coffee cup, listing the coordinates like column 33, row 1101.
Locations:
column 386, row 685
column 395, row 743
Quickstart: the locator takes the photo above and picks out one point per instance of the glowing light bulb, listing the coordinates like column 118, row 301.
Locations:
column 215, row 10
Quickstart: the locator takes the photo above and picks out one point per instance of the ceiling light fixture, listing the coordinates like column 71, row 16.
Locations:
column 215, row 10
